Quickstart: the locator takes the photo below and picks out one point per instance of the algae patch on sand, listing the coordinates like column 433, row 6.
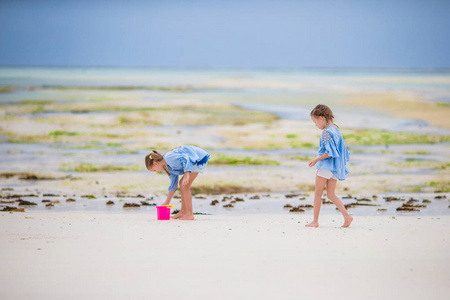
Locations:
column 300, row 157
column 89, row 168
column 30, row 176
column 420, row 163
column 8, row 88
column 383, row 137
column 61, row 132
column 225, row 159
column 118, row 88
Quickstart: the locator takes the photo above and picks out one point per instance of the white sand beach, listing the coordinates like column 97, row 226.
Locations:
column 48, row 255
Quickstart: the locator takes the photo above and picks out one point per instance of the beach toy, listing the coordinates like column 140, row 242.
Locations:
column 163, row 212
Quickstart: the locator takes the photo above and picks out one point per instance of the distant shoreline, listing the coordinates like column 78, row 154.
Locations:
column 221, row 68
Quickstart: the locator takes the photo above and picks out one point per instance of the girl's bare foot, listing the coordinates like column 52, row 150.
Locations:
column 312, row 224
column 177, row 216
column 186, row 217
column 348, row 221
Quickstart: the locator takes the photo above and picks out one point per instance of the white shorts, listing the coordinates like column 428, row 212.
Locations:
column 199, row 168
column 325, row 174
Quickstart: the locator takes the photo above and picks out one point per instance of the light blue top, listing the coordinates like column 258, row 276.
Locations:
column 332, row 143
column 181, row 160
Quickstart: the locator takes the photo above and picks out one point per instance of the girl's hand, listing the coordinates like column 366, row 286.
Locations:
column 165, row 203
column 315, row 160
column 185, row 180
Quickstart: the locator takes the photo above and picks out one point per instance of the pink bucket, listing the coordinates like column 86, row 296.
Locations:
column 163, row 212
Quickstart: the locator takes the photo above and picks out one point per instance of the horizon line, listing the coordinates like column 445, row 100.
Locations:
column 228, row 67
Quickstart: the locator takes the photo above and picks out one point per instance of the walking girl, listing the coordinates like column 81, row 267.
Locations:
column 330, row 163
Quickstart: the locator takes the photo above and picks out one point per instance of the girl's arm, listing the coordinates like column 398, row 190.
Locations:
column 315, row 160
column 172, row 188
column 169, row 198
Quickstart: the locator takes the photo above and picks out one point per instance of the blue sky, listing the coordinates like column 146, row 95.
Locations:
column 236, row 34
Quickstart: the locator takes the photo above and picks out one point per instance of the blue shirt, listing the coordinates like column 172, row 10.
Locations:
column 332, row 143
column 181, row 160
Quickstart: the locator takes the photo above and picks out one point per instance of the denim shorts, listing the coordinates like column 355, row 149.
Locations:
column 326, row 174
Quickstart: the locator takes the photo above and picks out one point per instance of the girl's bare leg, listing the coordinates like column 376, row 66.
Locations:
column 331, row 188
column 186, row 199
column 320, row 184
column 180, row 213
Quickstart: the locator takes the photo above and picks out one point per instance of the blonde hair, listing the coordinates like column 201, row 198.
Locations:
column 152, row 157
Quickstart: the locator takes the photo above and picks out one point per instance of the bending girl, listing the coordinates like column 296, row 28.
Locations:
column 188, row 161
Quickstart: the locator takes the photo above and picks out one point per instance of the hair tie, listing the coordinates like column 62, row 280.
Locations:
column 150, row 157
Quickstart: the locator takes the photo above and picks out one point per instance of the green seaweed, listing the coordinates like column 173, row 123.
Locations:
column 416, row 163
column 25, row 139
column 383, row 137
column 225, row 159
column 120, row 152
column 114, row 145
column 298, row 144
column 301, row 157
column 441, row 186
column 307, row 145
column 29, row 176
column 90, row 145
column 91, row 168
column 417, row 152
column 8, row 88
column 60, row 132
column 35, row 102
column 118, row 88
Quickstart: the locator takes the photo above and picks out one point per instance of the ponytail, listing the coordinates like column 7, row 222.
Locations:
column 152, row 157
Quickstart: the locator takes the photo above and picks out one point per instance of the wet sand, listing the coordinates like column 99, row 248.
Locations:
column 94, row 129
column 405, row 105
column 49, row 255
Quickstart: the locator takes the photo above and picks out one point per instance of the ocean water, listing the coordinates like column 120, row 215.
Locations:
column 434, row 84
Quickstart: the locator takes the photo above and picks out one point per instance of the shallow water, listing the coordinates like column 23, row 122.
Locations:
column 380, row 78
column 369, row 120
column 290, row 94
